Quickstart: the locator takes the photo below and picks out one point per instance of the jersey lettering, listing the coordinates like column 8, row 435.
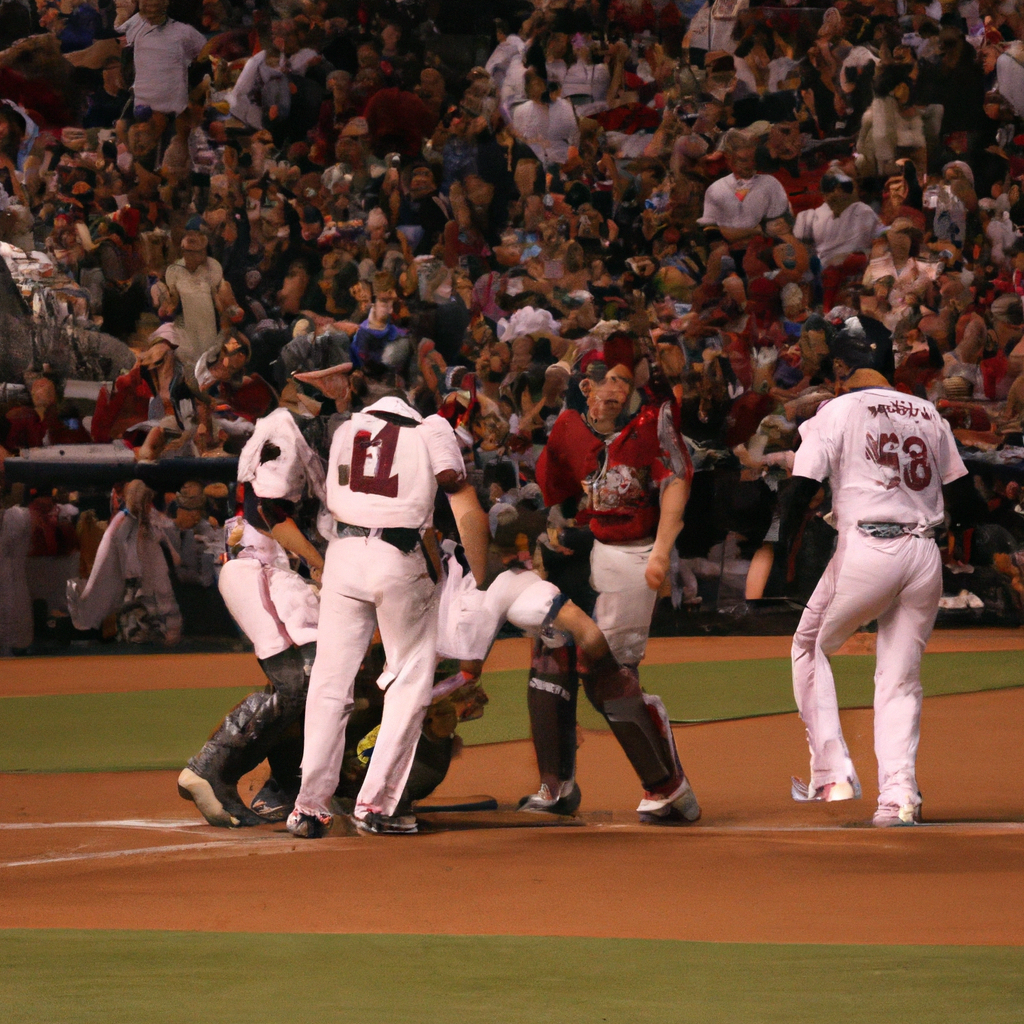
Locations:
column 379, row 452
column 917, row 473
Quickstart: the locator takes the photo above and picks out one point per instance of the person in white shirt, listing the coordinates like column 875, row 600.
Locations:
column 164, row 48
column 548, row 126
column 842, row 230
column 585, row 84
column 258, row 77
column 510, row 48
column 741, row 201
column 887, row 456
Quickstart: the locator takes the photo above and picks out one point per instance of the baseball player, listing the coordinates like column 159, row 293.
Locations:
column 887, row 456
column 629, row 475
column 385, row 467
column 277, row 609
column 469, row 618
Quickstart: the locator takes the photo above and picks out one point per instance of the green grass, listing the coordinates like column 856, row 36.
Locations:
column 163, row 728
column 711, row 691
column 79, row 977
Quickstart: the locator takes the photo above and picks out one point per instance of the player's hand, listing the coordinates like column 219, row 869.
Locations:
column 657, row 570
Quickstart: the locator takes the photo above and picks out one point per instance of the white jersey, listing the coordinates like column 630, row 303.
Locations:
column 886, row 455
column 382, row 471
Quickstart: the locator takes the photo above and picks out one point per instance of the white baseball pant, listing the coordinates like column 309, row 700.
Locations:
column 625, row 603
column 274, row 607
column 899, row 583
column 368, row 582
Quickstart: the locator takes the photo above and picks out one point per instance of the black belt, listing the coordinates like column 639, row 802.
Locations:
column 402, row 537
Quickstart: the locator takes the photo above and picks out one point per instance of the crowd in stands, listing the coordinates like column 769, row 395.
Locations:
column 304, row 202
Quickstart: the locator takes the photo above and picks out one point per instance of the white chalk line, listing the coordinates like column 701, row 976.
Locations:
column 283, row 843
column 150, row 823
column 237, row 846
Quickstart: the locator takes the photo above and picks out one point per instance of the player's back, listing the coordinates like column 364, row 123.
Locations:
column 886, row 455
column 380, row 472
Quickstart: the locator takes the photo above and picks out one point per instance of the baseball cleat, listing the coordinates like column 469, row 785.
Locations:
column 222, row 810
column 545, row 802
column 387, row 824
column 308, row 825
column 891, row 816
column 830, row 793
column 272, row 803
column 680, row 805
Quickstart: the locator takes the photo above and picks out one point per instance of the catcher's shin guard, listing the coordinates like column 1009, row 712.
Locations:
column 245, row 737
column 551, row 700
column 277, row 797
column 640, row 724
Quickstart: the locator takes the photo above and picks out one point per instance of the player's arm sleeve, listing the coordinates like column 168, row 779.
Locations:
column 443, row 449
column 813, row 458
column 951, row 466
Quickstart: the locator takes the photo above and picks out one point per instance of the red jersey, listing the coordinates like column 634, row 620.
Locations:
column 619, row 478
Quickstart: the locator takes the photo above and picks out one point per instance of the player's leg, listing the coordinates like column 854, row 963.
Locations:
column 407, row 619
column 866, row 583
column 347, row 625
column 638, row 720
column 551, row 701
column 250, row 730
column 819, row 709
column 903, row 631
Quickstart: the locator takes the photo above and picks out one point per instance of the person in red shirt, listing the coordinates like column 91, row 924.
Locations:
column 628, row 473
column 39, row 425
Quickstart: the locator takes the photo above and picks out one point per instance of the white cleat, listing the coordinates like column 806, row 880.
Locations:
column 680, row 805
column 830, row 793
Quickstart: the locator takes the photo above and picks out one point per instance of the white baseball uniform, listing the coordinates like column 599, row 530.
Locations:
column 273, row 605
column 381, row 476
column 469, row 619
column 886, row 456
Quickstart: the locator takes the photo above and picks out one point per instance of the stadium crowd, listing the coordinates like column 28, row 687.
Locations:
column 304, row 203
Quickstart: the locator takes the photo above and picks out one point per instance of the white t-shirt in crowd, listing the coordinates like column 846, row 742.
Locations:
column 382, row 474
column 886, row 455
column 504, row 53
column 162, row 56
column 548, row 129
column 835, row 237
column 732, row 203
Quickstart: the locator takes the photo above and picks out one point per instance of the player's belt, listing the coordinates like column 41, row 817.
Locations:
column 402, row 537
column 886, row 531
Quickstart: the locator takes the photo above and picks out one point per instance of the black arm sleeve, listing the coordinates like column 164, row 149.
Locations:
column 794, row 501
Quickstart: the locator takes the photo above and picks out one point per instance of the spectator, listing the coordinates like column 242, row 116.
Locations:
column 163, row 49
column 196, row 283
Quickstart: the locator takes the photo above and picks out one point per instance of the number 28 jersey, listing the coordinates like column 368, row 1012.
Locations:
column 382, row 471
column 886, row 455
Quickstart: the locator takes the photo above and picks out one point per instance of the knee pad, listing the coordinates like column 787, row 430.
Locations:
column 605, row 679
column 289, row 679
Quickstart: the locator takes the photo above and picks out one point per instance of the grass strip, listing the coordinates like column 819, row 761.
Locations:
column 163, row 728
column 89, row 977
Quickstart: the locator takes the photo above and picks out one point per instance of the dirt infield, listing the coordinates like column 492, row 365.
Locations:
column 123, row 851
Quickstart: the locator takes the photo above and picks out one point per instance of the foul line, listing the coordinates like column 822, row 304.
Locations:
column 274, row 845
column 123, row 823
